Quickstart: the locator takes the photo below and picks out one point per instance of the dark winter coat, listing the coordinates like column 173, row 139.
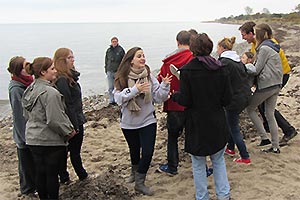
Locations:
column 113, row 58
column 204, row 93
column 73, row 99
column 241, row 89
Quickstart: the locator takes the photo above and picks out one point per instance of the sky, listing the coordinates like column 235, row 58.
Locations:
column 48, row 11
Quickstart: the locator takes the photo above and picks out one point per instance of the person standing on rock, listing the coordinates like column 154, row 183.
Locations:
column 136, row 90
column 20, row 80
column 113, row 58
column 67, row 84
column 247, row 32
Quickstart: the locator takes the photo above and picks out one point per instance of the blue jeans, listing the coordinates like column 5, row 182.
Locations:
column 175, row 124
column 220, row 176
column 110, row 81
column 233, row 120
column 141, row 139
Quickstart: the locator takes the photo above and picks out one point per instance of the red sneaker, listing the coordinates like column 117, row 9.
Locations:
column 229, row 152
column 242, row 160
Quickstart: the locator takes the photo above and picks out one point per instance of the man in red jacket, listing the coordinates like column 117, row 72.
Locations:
column 175, row 115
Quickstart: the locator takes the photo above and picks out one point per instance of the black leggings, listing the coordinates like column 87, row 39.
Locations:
column 46, row 160
column 141, row 139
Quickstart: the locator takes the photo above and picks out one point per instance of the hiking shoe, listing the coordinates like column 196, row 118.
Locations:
column 264, row 142
column 242, row 160
column 229, row 152
column 165, row 168
column 209, row 171
column 284, row 140
column 271, row 150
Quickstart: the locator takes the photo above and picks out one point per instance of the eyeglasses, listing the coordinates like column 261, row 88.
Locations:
column 71, row 57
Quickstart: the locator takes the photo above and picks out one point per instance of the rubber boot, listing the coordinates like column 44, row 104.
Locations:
column 140, row 184
column 131, row 178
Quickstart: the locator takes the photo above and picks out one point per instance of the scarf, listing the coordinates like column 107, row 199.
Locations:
column 75, row 74
column 134, row 75
column 26, row 80
column 212, row 64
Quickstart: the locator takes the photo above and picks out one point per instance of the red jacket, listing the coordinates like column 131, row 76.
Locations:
column 178, row 59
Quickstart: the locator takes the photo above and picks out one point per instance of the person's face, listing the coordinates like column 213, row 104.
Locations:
column 244, row 59
column 114, row 42
column 138, row 60
column 70, row 60
column 50, row 73
column 220, row 50
column 249, row 37
column 23, row 71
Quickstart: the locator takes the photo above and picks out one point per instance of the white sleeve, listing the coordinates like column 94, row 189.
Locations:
column 122, row 97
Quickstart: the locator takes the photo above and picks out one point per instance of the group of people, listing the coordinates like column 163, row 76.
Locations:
column 205, row 96
column 200, row 94
column 47, row 121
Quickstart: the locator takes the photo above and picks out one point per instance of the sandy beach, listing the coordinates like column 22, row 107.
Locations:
column 106, row 157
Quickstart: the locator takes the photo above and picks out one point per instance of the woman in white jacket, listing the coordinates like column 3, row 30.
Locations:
column 136, row 89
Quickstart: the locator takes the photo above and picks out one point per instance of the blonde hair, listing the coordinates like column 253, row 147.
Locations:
column 227, row 43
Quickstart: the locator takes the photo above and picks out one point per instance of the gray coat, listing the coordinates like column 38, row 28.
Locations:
column 48, row 124
column 15, row 91
column 268, row 65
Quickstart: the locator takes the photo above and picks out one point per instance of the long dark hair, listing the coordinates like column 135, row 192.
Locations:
column 121, row 79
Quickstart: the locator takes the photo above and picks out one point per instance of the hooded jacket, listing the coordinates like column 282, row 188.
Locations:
column 179, row 58
column 285, row 64
column 204, row 91
column 48, row 124
column 268, row 65
column 16, row 90
column 241, row 91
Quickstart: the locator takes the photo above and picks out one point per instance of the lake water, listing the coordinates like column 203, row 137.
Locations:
column 89, row 42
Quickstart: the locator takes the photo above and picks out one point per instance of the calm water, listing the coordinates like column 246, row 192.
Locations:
column 89, row 42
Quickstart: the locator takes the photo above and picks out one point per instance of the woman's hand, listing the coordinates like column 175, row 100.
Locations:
column 73, row 133
column 142, row 87
column 167, row 79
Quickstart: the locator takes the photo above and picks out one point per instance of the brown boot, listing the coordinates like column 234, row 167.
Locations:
column 131, row 178
column 140, row 184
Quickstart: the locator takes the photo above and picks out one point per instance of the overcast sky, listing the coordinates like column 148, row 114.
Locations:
column 40, row 11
